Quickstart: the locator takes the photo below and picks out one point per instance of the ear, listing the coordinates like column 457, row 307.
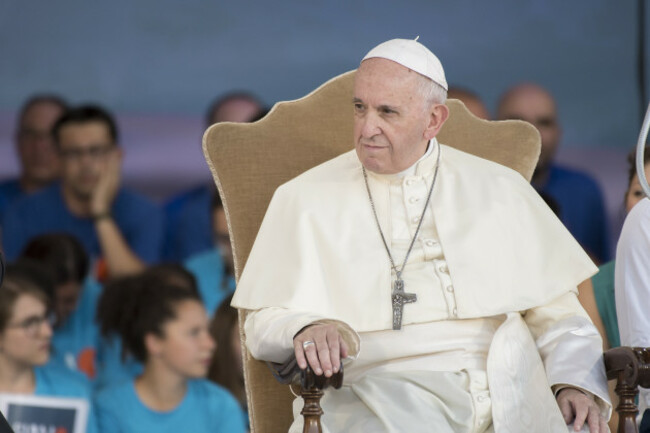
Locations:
column 438, row 114
column 153, row 344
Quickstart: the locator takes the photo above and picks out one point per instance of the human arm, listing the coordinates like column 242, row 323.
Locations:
column 571, row 350
column 120, row 258
column 271, row 334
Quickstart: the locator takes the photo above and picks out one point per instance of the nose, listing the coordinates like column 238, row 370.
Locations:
column 46, row 329
column 369, row 125
column 209, row 343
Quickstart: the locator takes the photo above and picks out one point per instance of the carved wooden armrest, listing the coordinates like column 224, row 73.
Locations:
column 630, row 366
column 311, row 389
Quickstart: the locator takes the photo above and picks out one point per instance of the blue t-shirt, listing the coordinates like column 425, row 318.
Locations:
column 581, row 208
column 189, row 223
column 206, row 408
column 55, row 381
column 209, row 271
column 111, row 368
column 10, row 191
column 75, row 342
column 140, row 221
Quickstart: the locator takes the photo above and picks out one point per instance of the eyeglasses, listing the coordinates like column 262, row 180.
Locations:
column 33, row 324
column 94, row 152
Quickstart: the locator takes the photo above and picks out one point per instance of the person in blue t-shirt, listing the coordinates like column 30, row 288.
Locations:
column 76, row 336
column 120, row 230
column 25, row 335
column 165, row 327
column 188, row 216
column 214, row 268
column 39, row 165
column 578, row 196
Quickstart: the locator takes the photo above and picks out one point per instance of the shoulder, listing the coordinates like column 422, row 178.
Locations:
column 197, row 193
column 10, row 188
column 45, row 197
column 52, row 379
column 131, row 203
column 573, row 177
column 335, row 170
column 218, row 400
column 112, row 395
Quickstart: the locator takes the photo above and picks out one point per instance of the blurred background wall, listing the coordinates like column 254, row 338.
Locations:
column 158, row 63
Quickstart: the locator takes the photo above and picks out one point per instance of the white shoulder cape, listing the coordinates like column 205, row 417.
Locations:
column 318, row 249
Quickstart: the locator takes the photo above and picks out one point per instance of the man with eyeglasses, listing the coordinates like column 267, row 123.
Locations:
column 120, row 230
column 39, row 165
column 578, row 196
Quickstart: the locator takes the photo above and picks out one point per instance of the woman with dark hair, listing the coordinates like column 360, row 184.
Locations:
column 75, row 296
column 165, row 327
column 25, row 335
column 226, row 368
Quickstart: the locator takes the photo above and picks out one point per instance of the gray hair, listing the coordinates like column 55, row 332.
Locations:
column 431, row 92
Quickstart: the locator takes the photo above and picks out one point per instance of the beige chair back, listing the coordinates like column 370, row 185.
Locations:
column 249, row 161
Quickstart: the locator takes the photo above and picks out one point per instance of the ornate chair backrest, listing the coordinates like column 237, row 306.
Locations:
column 249, row 161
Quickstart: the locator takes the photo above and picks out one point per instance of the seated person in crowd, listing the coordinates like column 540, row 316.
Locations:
column 116, row 365
column 226, row 368
column 632, row 279
column 214, row 269
column 578, row 196
column 39, row 164
column 189, row 228
column 25, row 336
column 471, row 100
column 76, row 337
column 444, row 275
column 119, row 229
column 165, row 327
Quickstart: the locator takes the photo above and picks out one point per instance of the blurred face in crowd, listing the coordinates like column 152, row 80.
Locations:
column 393, row 122
column 36, row 150
column 65, row 300
column 635, row 192
column 236, row 347
column 534, row 105
column 26, row 338
column 186, row 346
column 222, row 237
column 236, row 110
column 84, row 149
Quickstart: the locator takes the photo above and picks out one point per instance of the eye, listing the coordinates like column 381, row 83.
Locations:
column 387, row 110
column 358, row 106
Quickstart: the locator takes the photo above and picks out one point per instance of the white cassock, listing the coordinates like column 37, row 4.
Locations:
column 496, row 329
column 632, row 282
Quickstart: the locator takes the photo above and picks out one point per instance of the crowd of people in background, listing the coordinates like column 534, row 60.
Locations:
column 125, row 302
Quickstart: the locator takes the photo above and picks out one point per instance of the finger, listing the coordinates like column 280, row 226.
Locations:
column 300, row 354
column 593, row 420
column 604, row 428
column 312, row 358
column 565, row 409
column 582, row 410
column 344, row 347
column 323, row 351
column 335, row 351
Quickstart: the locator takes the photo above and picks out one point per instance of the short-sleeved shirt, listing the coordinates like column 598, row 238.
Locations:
column 206, row 408
column 582, row 208
column 189, row 223
column 75, row 342
column 10, row 191
column 603, row 283
column 139, row 220
column 211, row 278
column 55, row 381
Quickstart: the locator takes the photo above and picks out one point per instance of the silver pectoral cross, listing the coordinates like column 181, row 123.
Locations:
column 400, row 298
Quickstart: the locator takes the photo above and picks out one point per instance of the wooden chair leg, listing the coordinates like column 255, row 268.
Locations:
column 627, row 410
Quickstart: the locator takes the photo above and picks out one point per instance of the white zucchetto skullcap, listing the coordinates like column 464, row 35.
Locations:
column 413, row 55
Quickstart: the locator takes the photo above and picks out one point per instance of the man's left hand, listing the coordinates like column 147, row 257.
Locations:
column 108, row 184
column 577, row 407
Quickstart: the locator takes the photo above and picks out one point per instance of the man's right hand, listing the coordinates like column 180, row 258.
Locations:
column 322, row 347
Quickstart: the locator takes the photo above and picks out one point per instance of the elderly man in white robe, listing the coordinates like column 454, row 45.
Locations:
column 443, row 278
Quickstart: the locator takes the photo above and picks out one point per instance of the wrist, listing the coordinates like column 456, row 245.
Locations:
column 99, row 216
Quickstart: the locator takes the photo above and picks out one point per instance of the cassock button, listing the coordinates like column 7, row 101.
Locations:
column 409, row 182
column 414, row 199
column 430, row 243
column 415, row 220
column 451, row 289
column 455, row 312
column 443, row 269
column 480, row 398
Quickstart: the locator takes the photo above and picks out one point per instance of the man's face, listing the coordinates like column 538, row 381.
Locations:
column 236, row 110
column 84, row 149
column 534, row 105
column 390, row 116
column 222, row 237
column 35, row 146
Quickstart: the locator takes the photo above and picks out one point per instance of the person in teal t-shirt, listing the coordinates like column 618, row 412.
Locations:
column 25, row 336
column 165, row 327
